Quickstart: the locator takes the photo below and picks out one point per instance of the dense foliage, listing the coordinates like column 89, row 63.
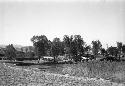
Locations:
column 41, row 45
column 10, row 52
column 96, row 47
column 73, row 46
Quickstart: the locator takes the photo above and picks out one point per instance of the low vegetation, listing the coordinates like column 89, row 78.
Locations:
column 11, row 76
column 113, row 71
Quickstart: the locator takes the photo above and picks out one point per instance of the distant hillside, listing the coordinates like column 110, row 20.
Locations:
column 16, row 46
column 29, row 48
column 2, row 46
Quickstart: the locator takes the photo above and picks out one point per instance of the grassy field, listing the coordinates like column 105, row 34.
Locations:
column 16, row 76
column 112, row 71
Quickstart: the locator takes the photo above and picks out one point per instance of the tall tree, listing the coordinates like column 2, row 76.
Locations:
column 74, row 46
column 41, row 45
column 123, row 49
column 49, row 53
column 67, row 40
column 78, row 45
column 11, row 52
column 96, row 47
column 56, row 48
column 119, row 47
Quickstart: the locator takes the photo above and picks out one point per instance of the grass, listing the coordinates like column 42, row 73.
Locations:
column 113, row 71
column 12, row 76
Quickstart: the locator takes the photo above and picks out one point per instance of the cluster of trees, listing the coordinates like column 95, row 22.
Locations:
column 72, row 46
column 11, row 53
column 116, row 51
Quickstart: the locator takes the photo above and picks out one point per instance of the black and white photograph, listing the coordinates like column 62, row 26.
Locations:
column 62, row 42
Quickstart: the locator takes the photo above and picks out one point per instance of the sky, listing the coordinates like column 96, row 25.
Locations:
column 93, row 19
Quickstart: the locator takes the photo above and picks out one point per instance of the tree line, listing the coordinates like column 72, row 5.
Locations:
column 73, row 46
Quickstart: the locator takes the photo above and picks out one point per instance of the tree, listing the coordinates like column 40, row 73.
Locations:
column 103, row 51
column 119, row 47
column 77, row 47
column 10, row 52
column 30, row 54
column 41, row 45
column 123, row 49
column 57, row 48
column 67, row 40
column 49, row 53
column 62, row 48
column 74, row 46
column 30, row 48
column 79, row 44
column 20, row 54
column 113, row 51
column 26, row 49
column 96, row 46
